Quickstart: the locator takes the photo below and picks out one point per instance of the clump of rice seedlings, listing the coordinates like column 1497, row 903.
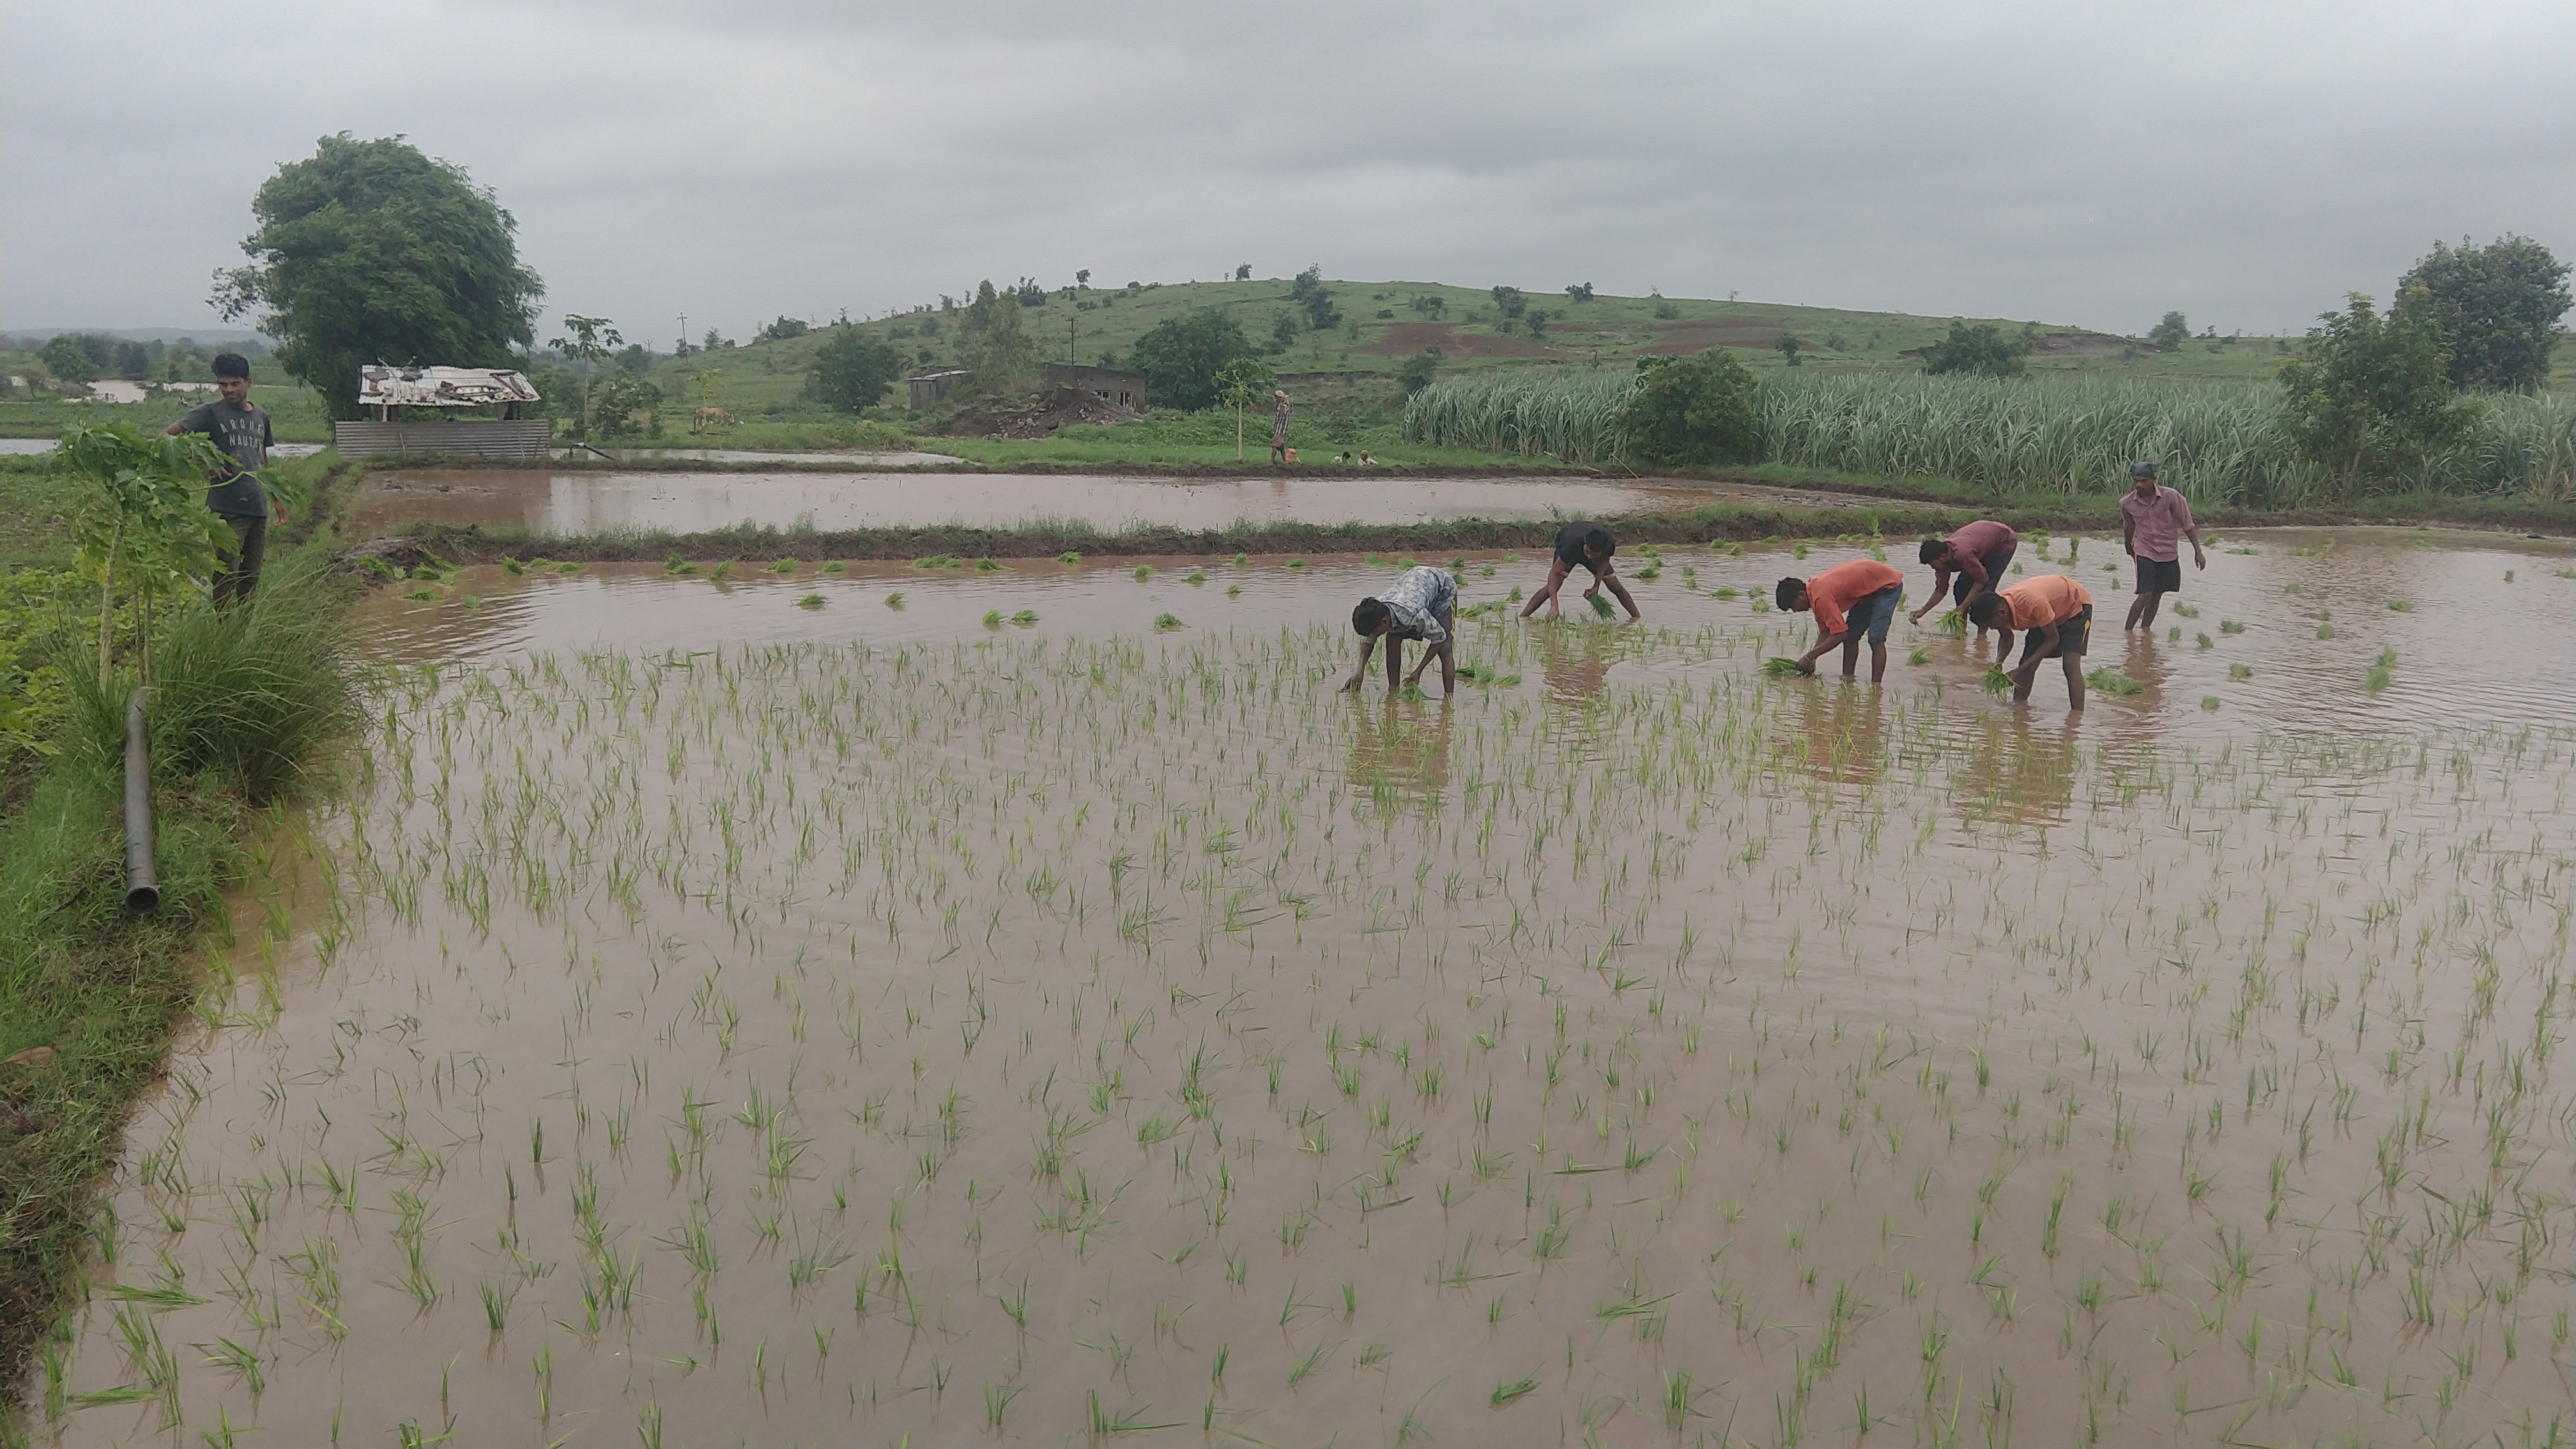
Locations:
column 2240, row 671
column 1164, row 623
column 2203, row 640
column 1234, row 591
column 1726, row 591
column 987, row 566
column 1601, row 607
column 1025, row 616
column 1240, row 559
column 678, row 565
column 992, row 618
column 811, row 601
column 2383, row 670
column 894, row 600
column 1651, row 572
column 567, row 568
column 1194, row 576
column 1144, row 572
column 722, row 571
column 2326, row 630
column 836, row 567
column 1954, row 622
column 2402, row 606
column 1069, row 556
column 1295, row 563
column 939, row 561
column 1798, row 551
column 2187, row 611
column 1996, row 680
column 423, row 596
column 2508, row 576
column 2209, row 702
column 783, row 566
column 470, row 601
column 511, row 565
column 2231, row 626
column 2112, row 683
column 1922, row 654
column 1778, row 665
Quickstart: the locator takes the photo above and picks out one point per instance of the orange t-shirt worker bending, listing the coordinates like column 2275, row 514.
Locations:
column 2058, row 613
column 1851, row 601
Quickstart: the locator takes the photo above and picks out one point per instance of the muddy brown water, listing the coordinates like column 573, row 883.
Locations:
column 571, row 503
column 859, row 1025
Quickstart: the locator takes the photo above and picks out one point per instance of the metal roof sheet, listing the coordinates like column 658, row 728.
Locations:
column 442, row 387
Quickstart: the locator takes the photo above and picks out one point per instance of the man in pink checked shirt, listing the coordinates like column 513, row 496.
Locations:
column 2152, row 519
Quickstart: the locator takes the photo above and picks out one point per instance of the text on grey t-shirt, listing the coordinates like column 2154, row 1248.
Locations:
column 243, row 433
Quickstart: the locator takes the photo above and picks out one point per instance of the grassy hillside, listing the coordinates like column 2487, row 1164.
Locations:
column 1384, row 323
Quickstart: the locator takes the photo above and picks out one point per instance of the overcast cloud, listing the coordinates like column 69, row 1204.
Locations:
column 2091, row 164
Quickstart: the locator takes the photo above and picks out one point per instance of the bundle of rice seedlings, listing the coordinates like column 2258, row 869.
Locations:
column 1775, row 666
column 1997, row 680
column 2110, row 683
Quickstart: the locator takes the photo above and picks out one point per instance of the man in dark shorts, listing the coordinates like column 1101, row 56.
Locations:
column 1852, row 601
column 2152, row 519
column 1423, row 605
column 240, row 428
column 1977, row 555
column 2058, row 613
column 1586, row 545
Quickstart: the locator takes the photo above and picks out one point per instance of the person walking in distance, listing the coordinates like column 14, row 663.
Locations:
column 1279, row 427
column 241, row 429
column 2152, row 517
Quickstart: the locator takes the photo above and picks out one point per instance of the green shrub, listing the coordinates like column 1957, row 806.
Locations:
column 1701, row 409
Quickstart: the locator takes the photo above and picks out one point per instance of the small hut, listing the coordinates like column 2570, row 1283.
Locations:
column 498, row 391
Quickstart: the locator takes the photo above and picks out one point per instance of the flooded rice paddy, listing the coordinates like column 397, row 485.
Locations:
column 710, row 1020
column 571, row 503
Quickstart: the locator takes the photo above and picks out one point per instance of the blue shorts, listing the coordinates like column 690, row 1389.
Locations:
column 1870, row 617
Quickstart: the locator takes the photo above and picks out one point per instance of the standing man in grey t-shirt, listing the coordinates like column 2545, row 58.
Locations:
column 240, row 428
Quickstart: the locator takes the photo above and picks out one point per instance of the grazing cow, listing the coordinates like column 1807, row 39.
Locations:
column 711, row 420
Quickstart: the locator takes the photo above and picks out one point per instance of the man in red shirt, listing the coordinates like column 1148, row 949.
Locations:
column 2058, row 613
column 1850, row 600
column 2152, row 517
column 1978, row 554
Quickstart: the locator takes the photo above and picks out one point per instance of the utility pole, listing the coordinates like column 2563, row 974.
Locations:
column 1068, row 338
column 684, row 332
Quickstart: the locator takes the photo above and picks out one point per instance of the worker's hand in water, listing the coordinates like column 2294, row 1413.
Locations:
column 1352, row 684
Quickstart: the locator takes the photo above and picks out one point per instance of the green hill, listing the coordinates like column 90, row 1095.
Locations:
column 1383, row 323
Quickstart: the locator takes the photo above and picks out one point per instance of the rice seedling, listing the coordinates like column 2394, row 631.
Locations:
column 835, row 566
column 1601, row 607
column 2240, row 671
column 894, row 600
column 1920, row 655
column 812, row 601
column 1778, row 666
column 783, row 566
column 1164, row 623
column 1443, row 1001
column 1995, row 681
column 2383, row 671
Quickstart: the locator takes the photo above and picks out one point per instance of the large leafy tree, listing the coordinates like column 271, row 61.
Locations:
column 2370, row 394
column 852, row 369
column 1700, row 409
column 1981, row 350
column 370, row 251
column 2498, row 306
column 1182, row 356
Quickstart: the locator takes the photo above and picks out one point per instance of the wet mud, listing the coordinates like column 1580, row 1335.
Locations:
column 706, row 1019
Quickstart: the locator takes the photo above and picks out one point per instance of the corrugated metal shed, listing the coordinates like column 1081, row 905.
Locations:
column 486, row 439
column 442, row 387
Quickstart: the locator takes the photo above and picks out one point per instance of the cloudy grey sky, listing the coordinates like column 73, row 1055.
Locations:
column 2084, row 163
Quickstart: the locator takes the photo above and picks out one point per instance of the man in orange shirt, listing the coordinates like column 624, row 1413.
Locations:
column 2057, row 612
column 1850, row 600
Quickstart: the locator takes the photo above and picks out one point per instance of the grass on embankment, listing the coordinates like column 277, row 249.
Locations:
column 244, row 706
column 1715, row 523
